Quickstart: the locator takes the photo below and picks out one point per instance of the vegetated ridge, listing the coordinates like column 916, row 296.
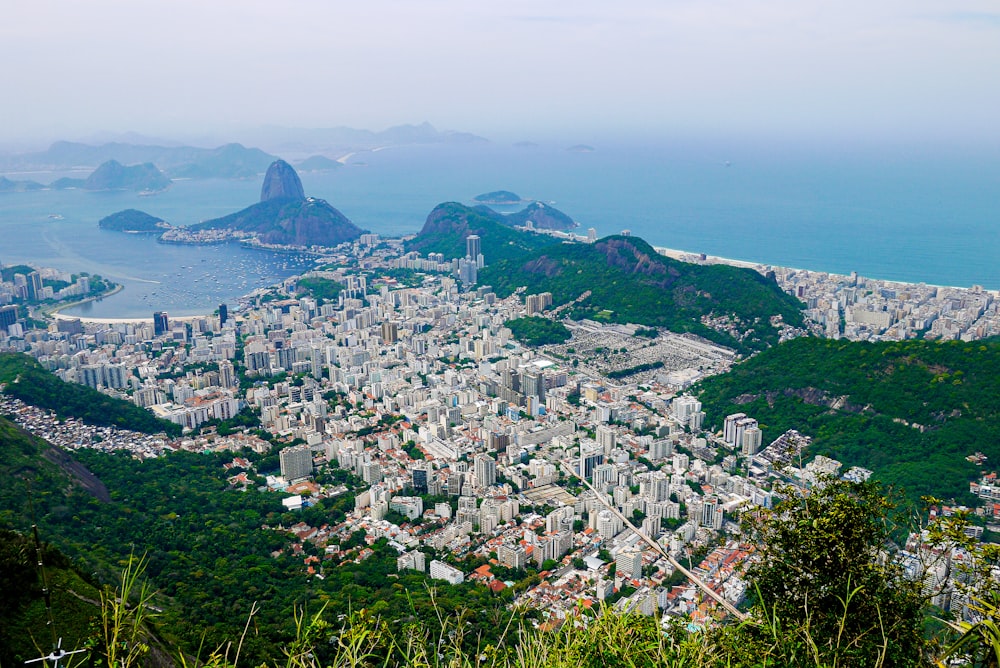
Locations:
column 448, row 225
column 133, row 220
column 631, row 283
column 910, row 411
column 227, row 161
column 285, row 216
column 25, row 379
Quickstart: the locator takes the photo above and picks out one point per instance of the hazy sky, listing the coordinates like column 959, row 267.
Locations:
column 513, row 68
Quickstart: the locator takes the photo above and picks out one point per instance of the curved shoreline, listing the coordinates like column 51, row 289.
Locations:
column 55, row 312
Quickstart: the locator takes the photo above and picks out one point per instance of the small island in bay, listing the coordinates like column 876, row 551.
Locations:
column 581, row 148
column 318, row 163
column 498, row 197
column 134, row 221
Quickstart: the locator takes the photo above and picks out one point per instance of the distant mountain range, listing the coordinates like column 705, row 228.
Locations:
column 341, row 139
column 228, row 161
column 231, row 160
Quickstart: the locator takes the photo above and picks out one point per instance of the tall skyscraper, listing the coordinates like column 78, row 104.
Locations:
column 296, row 462
column 160, row 323
column 8, row 316
column 34, row 286
column 390, row 332
column 223, row 315
column 486, row 471
column 473, row 247
column 419, row 481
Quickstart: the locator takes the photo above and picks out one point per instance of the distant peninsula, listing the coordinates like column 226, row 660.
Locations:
column 498, row 197
column 318, row 163
column 133, row 221
column 189, row 162
column 112, row 175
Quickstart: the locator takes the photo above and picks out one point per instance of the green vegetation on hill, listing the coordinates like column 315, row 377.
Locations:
column 631, row 283
column 9, row 271
column 294, row 222
column 25, row 379
column 132, row 220
column 450, row 223
column 51, row 472
column 910, row 411
column 23, row 620
column 537, row 331
column 542, row 216
column 322, row 289
column 210, row 558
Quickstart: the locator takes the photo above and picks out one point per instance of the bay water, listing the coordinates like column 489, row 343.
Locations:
column 905, row 214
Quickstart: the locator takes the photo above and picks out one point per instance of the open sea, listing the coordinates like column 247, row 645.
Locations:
column 898, row 214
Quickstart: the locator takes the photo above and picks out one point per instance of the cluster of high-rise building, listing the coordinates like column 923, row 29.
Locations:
column 423, row 394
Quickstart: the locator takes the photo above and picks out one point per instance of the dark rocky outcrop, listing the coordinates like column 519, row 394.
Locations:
column 285, row 216
column 281, row 182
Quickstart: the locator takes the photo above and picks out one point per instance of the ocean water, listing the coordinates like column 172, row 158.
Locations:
column 897, row 214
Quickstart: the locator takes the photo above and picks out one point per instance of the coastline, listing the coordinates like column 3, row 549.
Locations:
column 687, row 256
column 673, row 253
column 55, row 312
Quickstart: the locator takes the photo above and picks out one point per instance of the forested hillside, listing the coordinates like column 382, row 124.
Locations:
column 25, row 379
column 911, row 411
column 629, row 282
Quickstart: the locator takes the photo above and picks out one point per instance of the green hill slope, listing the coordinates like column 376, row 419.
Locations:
column 25, row 379
column 910, row 411
column 450, row 223
column 630, row 282
column 23, row 619
column 287, row 221
column 132, row 220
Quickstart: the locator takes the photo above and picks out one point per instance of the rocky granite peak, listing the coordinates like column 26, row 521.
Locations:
column 281, row 182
